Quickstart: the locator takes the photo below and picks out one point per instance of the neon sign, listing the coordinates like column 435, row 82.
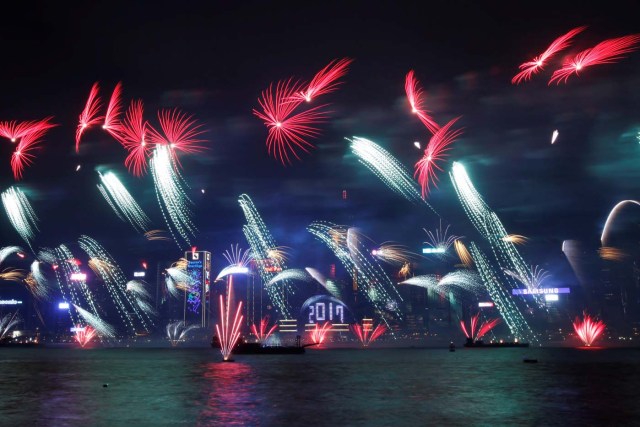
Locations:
column 541, row 291
column 10, row 302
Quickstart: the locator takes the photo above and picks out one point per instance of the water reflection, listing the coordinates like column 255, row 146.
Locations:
column 232, row 398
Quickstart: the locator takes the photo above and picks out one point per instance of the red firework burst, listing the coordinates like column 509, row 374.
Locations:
column 476, row 333
column 23, row 155
column 181, row 132
column 114, row 109
column 536, row 64
column 89, row 115
column 288, row 131
column 14, row 130
column 588, row 329
column 606, row 52
column 131, row 134
column 414, row 95
column 326, row 80
column 439, row 144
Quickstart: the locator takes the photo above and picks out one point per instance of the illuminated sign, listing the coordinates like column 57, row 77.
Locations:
column 196, row 298
column 551, row 297
column 10, row 302
column 78, row 276
column 433, row 250
column 324, row 308
column 63, row 306
column 541, row 291
column 77, row 329
column 139, row 274
column 485, row 304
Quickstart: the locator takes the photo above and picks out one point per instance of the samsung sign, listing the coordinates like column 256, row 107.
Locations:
column 10, row 302
column 541, row 291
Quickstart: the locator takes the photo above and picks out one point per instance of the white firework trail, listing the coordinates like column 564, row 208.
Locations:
column 122, row 203
column 138, row 288
column 8, row 322
column 172, row 198
column 20, row 213
column 177, row 331
column 329, row 285
column 290, row 274
column 103, row 328
column 386, row 167
column 41, row 285
column 533, row 280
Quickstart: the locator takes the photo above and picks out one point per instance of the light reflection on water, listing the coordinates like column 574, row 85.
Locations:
column 373, row 387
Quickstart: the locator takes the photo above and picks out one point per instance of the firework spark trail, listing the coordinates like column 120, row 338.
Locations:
column 394, row 254
column 76, row 292
column 20, row 213
column 319, row 333
column 288, row 132
column 588, row 329
column 177, row 331
column 12, row 275
column 516, row 239
column 141, row 295
column 489, row 226
column 7, row 322
column 326, row 80
column 414, row 95
column 611, row 217
column 132, row 135
column 40, row 285
column 612, row 254
column 157, row 235
column 289, row 274
column 605, row 52
column 512, row 316
column 386, row 167
column 261, row 333
column 441, row 239
column 89, row 115
column 476, row 329
column 84, row 335
column 327, row 284
column 14, row 130
column 23, row 155
column 366, row 333
column 121, row 201
column 459, row 280
column 533, row 280
column 439, row 144
column 115, row 282
column 554, row 136
column 172, row 198
column 181, row 132
column 102, row 327
column 228, row 333
column 375, row 284
column 537, row 63
column 176, row 279
column 114, row 110
column 261, row 242
column 6, row 251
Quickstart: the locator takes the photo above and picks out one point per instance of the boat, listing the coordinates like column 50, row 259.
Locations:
column 481, row 344
column 244, row 347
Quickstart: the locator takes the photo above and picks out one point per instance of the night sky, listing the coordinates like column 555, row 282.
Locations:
column 212, row 60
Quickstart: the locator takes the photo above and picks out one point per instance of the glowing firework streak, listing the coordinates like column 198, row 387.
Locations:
column 319, row 333
column 489, row 226
column 20, row 213
column 177, row 331
column 141, row 295
column 327, row 284
column 261, row 242
column 84, row 335
column 176, row 279
column 326, row 80
column 114, row 110
column 512, row 316
column 36, row 281
column 12, row 275
column 516, row 239
column 14, row 130
column 114, row 279
column 459, row 280
column 536, row 64
column 439, row 144
column 605, row 52
column 173, row 200
column 588, row 329
column 157, row 235
column 288, row 132
column 23, row 155
column 414, row 95
column 290, row 274
column 358, row 261
column 366, row 333
column 554, row 136
column 476, row 329
column 612, row 254
column 463, row 254
column 386, row 167
column 101, row 327
column 611, row 217
column 238, row 262
column 261, row 333
column 132, row 136
column 228, row 333
column 6, row 251
column 89, row 115
column 8, row 322
column 181, row 132
column 394, row 254
column 121, row 201
column 440, row 239
column 533, row 280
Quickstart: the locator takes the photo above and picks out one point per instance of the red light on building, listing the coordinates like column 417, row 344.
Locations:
column 344, row 194
column 332, row 271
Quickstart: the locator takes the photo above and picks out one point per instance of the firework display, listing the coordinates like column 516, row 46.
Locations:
column 367, row 333
column 228, row 331
column 20, row 213
column 263, row 332
column 84, row 335
column 121, row 201
column 319, row 332
column 588, row 329
column 454, row 282
column 7, row 322
column 89, row 115
column 415, row 97
column 177, row 331
column 478, row 329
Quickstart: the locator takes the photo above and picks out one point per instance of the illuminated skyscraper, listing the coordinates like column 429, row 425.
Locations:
column 196, row 298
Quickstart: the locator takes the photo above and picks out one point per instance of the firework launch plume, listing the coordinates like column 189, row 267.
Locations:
column 319, row 333
column 415, row 97
column 84, row 335
column 177, row 331
column 532, row 67
column 263, row 332
column 605, row 52
column 20, row 213
column 588, row 329
column 366, row 333
column 89, row 115
column 228, row 331
column 478, row 329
